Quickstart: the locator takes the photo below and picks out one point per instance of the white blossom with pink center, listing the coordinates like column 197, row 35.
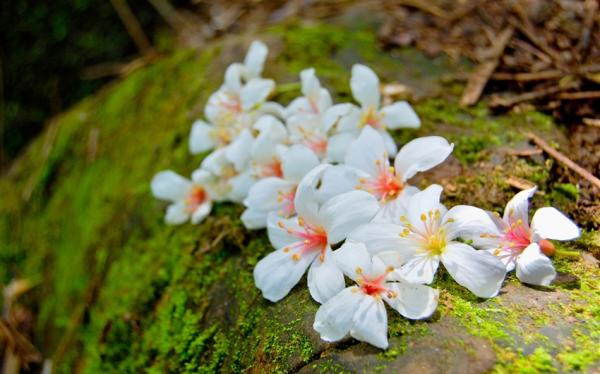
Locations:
column 427, row 235
column 364, row 84
column 276, row 193
column 305, row 240
column 389, row 184
column 523, row 246
column 237, row 104
column 189, row 199
column 359, row 310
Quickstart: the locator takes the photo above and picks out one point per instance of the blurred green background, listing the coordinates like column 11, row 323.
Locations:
column 45, row 46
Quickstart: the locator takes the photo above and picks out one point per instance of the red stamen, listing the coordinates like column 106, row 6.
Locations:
column 196, row 198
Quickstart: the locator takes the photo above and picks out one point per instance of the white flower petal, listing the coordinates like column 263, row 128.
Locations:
column 535, row 268
column 264, row 194
column 367, row 153
column 419, row 269
column 422, row 203
column 325, row 279
column 306, row 202
column 215, row 162
column 277, row 230
column 254, row 219
column 255, row 92
column 177, row 213
column 391, row 211
column 478, row 271
column 240, row 185
column 334, row 318
column 467, row 221
column 333, row 115
column 343, row 213
column 238, row 152
column 338, row 144
column 400, row 115
column 518, row 207
column 170, row 186
column 297, row 162
column 390, row 143
column 276, row 274
column 310, row 83
column 370, row 322
column 549, row 223
column 271, row 127
column 421, row 154
column 365, row 85
column 413, row 301
column 352, row 256
column 255, row 59
column 336, row 180
column 233, row 81
column 200, row 137
column 507, row 257
column 380, row 237
column 201, row 212
column 272, row 108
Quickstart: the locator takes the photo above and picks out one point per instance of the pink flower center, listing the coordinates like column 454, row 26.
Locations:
column 371, row 117
column 312, row 238
column 196, row 198
column 271, row 169
column 516, row 237
column 374, row 286
column 232, row 104
column 385, row 186
column 317, row 143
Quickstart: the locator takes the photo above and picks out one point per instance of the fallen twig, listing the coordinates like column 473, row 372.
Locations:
column 513, row 100
column 131, row 23
column 564, row 160
column 484, row 70
column 594, row 122
column 579, row 95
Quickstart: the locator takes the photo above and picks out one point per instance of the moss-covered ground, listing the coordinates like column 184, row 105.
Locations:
column 118, row 291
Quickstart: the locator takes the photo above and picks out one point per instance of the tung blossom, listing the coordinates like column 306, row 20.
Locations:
column 189, row 199
column 277, row 193
column 523, row 246
column 236, row 104
column 359, row 310
column 427, row 236
column 308, row 117
column 387, row 183
column 305, row 241
column 364, row 84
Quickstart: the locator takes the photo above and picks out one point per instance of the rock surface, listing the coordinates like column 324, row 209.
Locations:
column 118, row 291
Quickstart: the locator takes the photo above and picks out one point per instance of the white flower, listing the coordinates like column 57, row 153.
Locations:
column 226, row 173
column 427, row 236
column 306, row 119
column 316, row 99
column 237, row 104
column 277, row 192
column 306, row 240
column 359, row 309
column 189, row 199
column 522, row 246
column 267, row 148
column 387, row 183
column 365, row 89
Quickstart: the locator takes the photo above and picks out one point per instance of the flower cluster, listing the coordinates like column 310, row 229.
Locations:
column 319, row 178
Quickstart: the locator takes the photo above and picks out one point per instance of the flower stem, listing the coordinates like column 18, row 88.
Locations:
column 568, row 254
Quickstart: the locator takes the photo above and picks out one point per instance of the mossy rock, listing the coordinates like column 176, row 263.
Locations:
column 119, row 291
